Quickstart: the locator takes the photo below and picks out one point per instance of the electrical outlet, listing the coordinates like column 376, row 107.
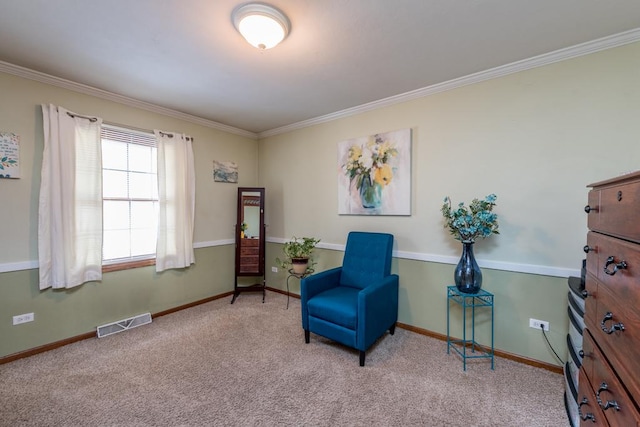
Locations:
column 535, row 324
column 23, row 318
column 274, row 269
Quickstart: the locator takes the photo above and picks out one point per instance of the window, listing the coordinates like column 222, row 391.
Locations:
column 130, row 195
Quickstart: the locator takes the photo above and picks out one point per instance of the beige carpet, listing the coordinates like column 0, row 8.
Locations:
column 246, row 364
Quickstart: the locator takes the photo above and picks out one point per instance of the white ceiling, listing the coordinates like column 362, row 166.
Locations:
column 186, row 55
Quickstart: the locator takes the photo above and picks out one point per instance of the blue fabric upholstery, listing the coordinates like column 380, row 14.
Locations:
column 337, row 305
column 367, row 259
column 357, row 303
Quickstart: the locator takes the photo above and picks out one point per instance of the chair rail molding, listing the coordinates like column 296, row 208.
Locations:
column 542, row 270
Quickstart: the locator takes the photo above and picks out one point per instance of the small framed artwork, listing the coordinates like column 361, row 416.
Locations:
column 225, row 171
column 374, row 174
column 9, row 155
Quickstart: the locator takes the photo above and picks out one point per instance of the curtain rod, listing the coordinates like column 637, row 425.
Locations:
column 91, row 119
column 141, row 130
column 170, row 135
column 94, row 119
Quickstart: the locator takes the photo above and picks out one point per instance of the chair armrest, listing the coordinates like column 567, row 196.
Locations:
column 377, row 310
column 313, row 285
column 319, row 282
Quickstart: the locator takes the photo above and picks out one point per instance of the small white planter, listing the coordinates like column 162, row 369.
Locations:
column 299, row 265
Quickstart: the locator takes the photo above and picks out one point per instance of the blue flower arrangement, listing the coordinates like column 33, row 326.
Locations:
column 466, row 224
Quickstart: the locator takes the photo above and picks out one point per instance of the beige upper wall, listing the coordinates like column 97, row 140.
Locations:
column 20, row 113
column 535, row 138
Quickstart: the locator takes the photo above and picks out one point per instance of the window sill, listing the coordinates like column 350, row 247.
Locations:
column 128, row 265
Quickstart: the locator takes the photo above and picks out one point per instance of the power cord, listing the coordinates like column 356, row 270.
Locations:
column 550, row 346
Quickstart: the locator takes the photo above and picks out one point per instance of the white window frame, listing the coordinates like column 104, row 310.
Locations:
column 129, row 136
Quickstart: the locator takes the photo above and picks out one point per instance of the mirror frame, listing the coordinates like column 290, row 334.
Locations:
column 240, row 271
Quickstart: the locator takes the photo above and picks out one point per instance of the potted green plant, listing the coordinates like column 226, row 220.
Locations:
column 466, row 224
column 298, row 252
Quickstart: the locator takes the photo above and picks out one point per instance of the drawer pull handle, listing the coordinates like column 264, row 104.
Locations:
column 588, row 416
column 588, row 249
column 615, row 327
column 618, row 266
column 589, row 209
column 610, row 403
column 619, row 196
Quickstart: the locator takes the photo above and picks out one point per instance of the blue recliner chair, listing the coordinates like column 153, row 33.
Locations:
column 356, row 303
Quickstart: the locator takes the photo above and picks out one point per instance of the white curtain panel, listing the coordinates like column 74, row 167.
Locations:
column 176, row 197
column 70, row 209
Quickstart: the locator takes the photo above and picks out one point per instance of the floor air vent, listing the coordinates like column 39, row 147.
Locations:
column 123, row 325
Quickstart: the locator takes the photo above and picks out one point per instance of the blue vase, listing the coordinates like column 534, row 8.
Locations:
column 370, row 194
column 467, row 276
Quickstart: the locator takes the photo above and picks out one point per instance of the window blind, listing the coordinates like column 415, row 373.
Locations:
column 128, row 136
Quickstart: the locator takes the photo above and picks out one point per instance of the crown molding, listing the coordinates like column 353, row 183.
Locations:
column 27, row 73
column 582, row 49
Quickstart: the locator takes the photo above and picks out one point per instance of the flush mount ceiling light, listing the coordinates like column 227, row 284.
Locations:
column 263, row 26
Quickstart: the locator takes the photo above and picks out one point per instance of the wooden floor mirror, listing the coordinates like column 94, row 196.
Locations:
column 250, row 241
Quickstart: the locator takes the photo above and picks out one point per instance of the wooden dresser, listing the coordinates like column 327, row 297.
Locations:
column 609, row 384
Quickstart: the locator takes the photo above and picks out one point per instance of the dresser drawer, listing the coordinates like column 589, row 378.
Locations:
column 616, row 263
column 249, row 268
column 588, row 354
column 608, row 393
column 250, row 259
column 593, row 210
column 249, row 251
column 588, row 409
column 614, row 210
column 590, row 303
column 246, row 242
column 620, row 346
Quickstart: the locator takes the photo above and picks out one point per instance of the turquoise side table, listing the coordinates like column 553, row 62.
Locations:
column 469, row 348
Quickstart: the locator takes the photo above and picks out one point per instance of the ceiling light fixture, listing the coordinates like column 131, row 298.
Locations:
column 263, row 26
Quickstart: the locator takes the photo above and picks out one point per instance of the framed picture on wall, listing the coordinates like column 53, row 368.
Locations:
column 374, row 174
column 9, row 155
column 225, row 172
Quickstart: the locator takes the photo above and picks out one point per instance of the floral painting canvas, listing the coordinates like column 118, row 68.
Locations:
column 374, row 174
column 225, row 171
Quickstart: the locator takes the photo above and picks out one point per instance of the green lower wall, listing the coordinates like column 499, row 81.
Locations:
column 423, row 303
column 61, row 314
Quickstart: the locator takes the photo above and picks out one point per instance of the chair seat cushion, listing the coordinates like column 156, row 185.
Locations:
column 337, row 305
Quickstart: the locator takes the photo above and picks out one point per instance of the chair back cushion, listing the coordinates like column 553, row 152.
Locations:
column 367, row 259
